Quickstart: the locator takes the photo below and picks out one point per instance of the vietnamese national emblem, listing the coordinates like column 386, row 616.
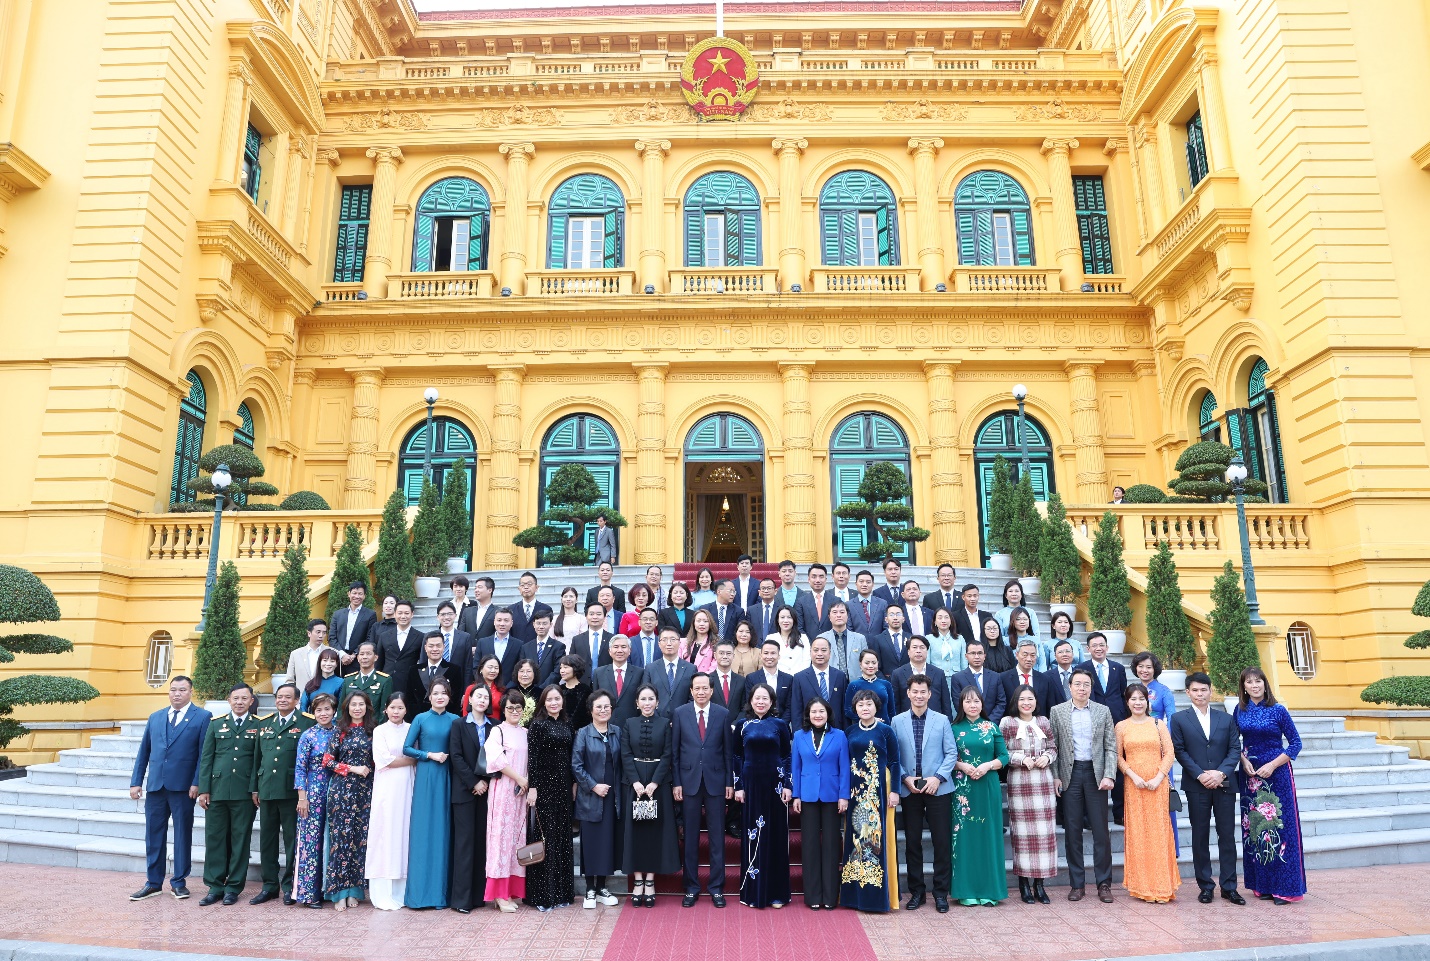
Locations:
column 719, row 78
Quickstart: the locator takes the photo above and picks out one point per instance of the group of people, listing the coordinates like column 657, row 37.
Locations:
column 450, row 768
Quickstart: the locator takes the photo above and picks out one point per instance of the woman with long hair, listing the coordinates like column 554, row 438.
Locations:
column 761, row 762
column 390, row 823
column 1014, row 598
column 747, row 652
column 310, row 777
column 1270, row 816
column 469, row 805
column 1020, row 625
column 551, row 884
column 794, row 646
column 638, row 598
column 349, row 762
column 946, row 648
column 1032, row 795
column 568, row 622
column 507, row 754
column 676, row 612
column 699, row 647
column 429, row 744
column 978, row 873
column 650, row 844
column 1144, row 756
column 1000, row 655
column 704, row 588
column 327, row 679
column 488, row 676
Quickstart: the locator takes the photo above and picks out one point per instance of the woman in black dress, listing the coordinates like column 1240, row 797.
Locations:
column 650, row 846
column 551, row 883
column 349, row 762
column 596, row 764
column 575, row 690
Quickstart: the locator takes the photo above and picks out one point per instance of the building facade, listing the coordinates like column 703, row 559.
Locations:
column 276, row 224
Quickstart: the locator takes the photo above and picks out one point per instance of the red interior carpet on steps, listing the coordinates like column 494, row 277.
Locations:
column 669, row 932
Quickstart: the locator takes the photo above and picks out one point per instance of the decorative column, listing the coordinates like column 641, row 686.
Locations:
column 653, row 213
column 925, row 149
column 1069, row 251
column 513, row 255
column 1087, row 431
column 650, row 519
column 1150, row 160
column 235, row 116
column 502, row 484
column 947, row 482
column 379, row 234
column 1213, row 109
column 798, row 462
column 320, row 179
column 791, row 248
column 360, row 488
column 1122, row 163
column 293, row 181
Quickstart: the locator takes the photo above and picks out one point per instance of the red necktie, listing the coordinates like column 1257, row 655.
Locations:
column 725, row 684
column 1027, row 680
column 700, row 720
column 866, row 609
column 620, row 679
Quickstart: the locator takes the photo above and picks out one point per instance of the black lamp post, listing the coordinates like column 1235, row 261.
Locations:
column 1236, row 477
column 220, row 479
column 429, row 395
column 1020, row 394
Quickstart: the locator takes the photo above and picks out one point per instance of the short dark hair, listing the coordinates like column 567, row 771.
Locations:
column 940, row 568
column 816, row 567
column 576, row 662
column 402, row 602
column 1018, row 693
column 1134, row 688
column 542, row 615
column 605, row 564
column 920, row 679
column 726, row 641
column 595, row 604
column 967, row 587
column 774, row 710
column 1085, row 672
column 865, row 694
column 838, row 564
column 786, row 563
column 976, row 642
column 181, row 677
column 241, row 686
column 527, row 574
column 1095, row 634
column 276, row 690
column 744, row 557
column 838, row 603
column 491, row 584
column 368, row 643
column 892, row 560
column 431, row 634
column 770, row 640
column 1198, row 677
column 959, row 713
column 602, row 516
column 461, row 581
column 921, row 639
column 1062, row 642
column 906, row 583
column 864, row 573
column 358, row 586
column 721, row 583
column 448, row 605
column 596, row 695
column 316, row 622
column 770, row 579
column 513, row 698
column 828, row 713
column 669, row 628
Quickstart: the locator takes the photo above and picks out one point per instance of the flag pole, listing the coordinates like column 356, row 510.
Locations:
column 719, row 18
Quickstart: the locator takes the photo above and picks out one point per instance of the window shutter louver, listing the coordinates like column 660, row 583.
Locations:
column 611, row 252
column 694, row 238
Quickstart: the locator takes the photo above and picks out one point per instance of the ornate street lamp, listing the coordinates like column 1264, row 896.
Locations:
column 220, row 479
column 1236, row 477
column 429, row 395
column 1020, row 394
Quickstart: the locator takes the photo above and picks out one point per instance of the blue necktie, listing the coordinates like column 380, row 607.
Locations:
column 978, row 679
column 540, row 652
column 823, row 686
column 670, row 672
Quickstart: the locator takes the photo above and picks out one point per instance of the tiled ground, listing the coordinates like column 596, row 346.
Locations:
column 91, row 907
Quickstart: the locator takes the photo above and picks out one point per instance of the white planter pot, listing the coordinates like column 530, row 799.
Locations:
column 1230, row 703
column 1000, row 562
column 1174, row 679
column 1116, row 641
column 1032, row 585
column 278, row 681
column 1069, row 609
column 428, row 587
column 456, row 565
column 216, row 708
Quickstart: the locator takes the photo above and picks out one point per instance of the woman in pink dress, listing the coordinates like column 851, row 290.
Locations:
column 506, row 805
column 700, row 648
column 387, row 832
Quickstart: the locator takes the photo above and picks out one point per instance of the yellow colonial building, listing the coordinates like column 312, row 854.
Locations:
column 276, row 222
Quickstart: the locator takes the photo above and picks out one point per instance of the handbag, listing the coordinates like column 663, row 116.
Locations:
column 643, row 809
column 1175, row 800
column 535, row 852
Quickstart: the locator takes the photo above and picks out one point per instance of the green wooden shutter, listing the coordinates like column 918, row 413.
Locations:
column 967, row 237
column 1238, row 429
column 1197, row 166
column 830, row 222
column 611, row 254
column 477, row 243
column 749, row 221
column 1022, row 238
column 556, row 243
column 695, row 238
column 1092, row 225
column 1280, row 466
column 849, row 535
column 886, row 247
column 353, row 216
column 252, row 143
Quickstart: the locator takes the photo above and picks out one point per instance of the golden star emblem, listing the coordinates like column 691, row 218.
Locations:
column 717, row 63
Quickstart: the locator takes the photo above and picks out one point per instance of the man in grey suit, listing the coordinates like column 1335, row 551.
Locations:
column 605, row 540
column 620, row 679
column 670, row 674
column 927, row 753
column 844, row 643
column 1087, row 761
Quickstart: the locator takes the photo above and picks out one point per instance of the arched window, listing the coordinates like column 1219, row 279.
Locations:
column 453, row 441
column 1264, row 433
column 999, row 435
column 722, row 222
column 860, row 441
column 994, row 221
column 451, row 231
column 189, row 441
column 1207, row 426
column 587, row 440
column 586, row 226
column 858, row 221
column 724, row 437
column 244, row 433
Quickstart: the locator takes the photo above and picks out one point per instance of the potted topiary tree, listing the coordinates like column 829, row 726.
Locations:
column 220, row 659
column 1405, row 690
column 290, row 608
column 572, row 495
column 1169, row 632
column 1062, row 568
column 1000, row 517
column 888, row 520
column 456, row 523
column 393, row 568
column 24, row 599
column 1144, row 494
column 1232, row 648
column 1109, row 598
column 429, row 542
column 1025, row 540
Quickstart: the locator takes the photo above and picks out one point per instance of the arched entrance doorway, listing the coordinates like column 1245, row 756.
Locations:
column 724, row 490
column 999, row 435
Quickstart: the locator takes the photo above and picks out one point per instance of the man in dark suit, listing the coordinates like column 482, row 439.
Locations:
column 168, row 766
column 478, row 617
column 669, row 674
column 723, row 610
column 770, row 673
column 645, row 645
column 351, row 626
column 968, row 620
column 728, row 687
column 917, row 618
column 947, row 596
column 762, row 613
column 986, row 681
column 811, row 610
column 701, row 739
column 1061, row 671
column 503, row 646
column 919, row 664
column 747, row 586
column 1109, row 682
column 891, row 591
column 817, row 680
column 621, row 679
column 892, row 645
column 866, row 611
column 604, row 572
column 456, row 644
column 433, row 667
column 399, row 648
column 545, row 650
column 1208, row 746
column 524, row 611
column 1047, row 689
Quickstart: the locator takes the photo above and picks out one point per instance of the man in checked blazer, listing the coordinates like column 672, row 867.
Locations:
column 1087, row 764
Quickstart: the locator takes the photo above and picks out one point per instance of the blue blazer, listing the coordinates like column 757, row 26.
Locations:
column 940, row 751
column 823, row 776
column 806, row 688
column 172, row 763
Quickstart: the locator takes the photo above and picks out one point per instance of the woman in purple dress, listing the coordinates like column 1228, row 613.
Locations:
column 1270, row 820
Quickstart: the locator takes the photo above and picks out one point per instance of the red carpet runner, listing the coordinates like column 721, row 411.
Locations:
column 669, row 932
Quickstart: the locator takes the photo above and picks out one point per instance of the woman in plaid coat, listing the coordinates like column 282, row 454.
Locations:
column 1032, row 801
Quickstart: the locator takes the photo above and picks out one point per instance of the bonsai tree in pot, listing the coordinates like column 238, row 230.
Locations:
column 429, row 541
column 1202, row 476
column 289, row 610
column 1109, row 598
column 1406, row 690
column 456, row 522
column 243, row 466
column 888, row 520
column 1232, row 648
column 1061, row 566
column 348, row 569
column 1000, row 517
column 1169, row 632
column 221, row 658
column 394, row 567
column 1025, row 540
column 573, row 496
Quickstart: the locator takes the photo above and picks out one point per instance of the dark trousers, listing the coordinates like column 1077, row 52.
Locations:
column 1201, row 805
column 469, row 853
column 159, row 808
column 1117, row 797
column 1081, row 798
column 275, row 817
column 823, row 845
column 936, row 812
column 713, row 808
column 228, row 828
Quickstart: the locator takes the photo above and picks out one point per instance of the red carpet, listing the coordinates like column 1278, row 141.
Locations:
column 669, row 932
column 687, row 572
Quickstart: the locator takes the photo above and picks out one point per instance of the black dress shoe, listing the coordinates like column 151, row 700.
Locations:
column 1233, row 896
column 1278, row 901
column 263, row 897
column 316, row 905
column 180, row 891
column 1104, row 892
column 718, row 900
column 916, row 901
column 940, row 904
column 229, row 899
column 289, row 900
column 688, row 901
column 463, row 910
column 213, row 897
column 147, row 891
column 1205, row 897
column 1263, row 897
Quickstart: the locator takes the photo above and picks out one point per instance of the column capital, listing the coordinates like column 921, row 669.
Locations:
column 652, row 366
column 1058, row 145
column 1204, row 57
column 517, row 151
column 1113, row 145
column 653, row 148
column 789, row 145
column 367, row 376
column 508, row 371
column 940, row 368
column 240, row 70
column 789, row 368
column 385, row 155
column 925, row 145
column 329, row 156
column 1082, row 368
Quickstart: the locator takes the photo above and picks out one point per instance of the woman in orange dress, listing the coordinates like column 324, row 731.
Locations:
column 1144, row 756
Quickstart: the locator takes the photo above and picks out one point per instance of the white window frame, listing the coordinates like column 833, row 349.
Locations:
column 1004, row 252
column 585, row 243
column 868, row 240
column 714, row 239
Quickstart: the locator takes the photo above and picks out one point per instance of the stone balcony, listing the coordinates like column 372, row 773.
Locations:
column 723, row 280
column 1005, row 280
column 242, row 253
column 1212, row 226
column 864, row 280
column 606, row 282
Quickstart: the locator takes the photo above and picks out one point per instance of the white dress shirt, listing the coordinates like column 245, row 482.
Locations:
column 1205, row 720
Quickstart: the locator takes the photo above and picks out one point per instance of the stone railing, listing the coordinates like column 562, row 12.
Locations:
column 1005, row 280
column 1204, row 527
column 1102, row 284
column 252, row 535
column 723, row 280
column 343, row 293
column 444, row 285
column 580, row 283
column 864, row 280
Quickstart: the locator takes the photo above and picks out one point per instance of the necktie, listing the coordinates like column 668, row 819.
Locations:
column 528, row 612
column 819, row 605
column 620, row 680
column 1102, row 675
column 899, row 643
column 725, row 686
column 238, row 723
column 700, row 720
column 1065, row 681
column 722, row 621
column 670, row 672
column 540, row 651
column 1027, row 680
column 865, row 603
column 948, row 600
column 766, row 623
column 978, row 679
column 173, row 717
column 649, row 650
column 447, row 646
column 823, row 685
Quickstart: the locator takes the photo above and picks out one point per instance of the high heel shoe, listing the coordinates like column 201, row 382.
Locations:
column 1040, row 895
column 1025, row 888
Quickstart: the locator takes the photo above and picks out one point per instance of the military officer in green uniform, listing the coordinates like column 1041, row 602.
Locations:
column 275, row 750
column 368, row 679
column 225, row 773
